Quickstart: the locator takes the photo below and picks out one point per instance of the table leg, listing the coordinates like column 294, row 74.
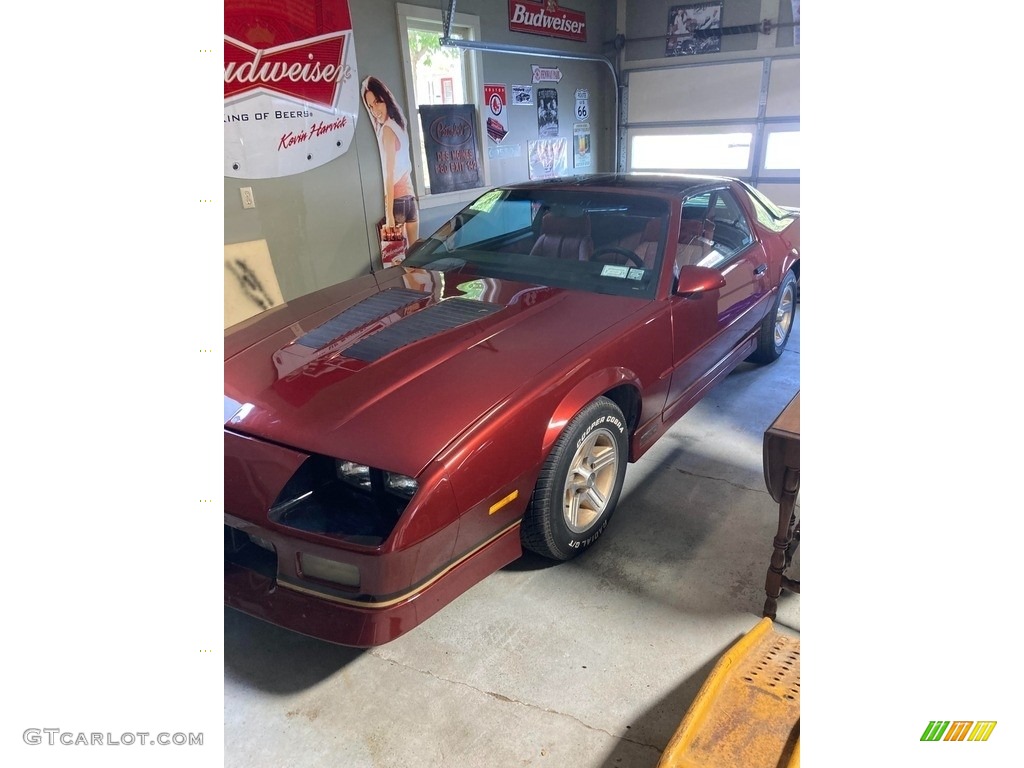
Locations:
column 794, row 540
column 781, row 553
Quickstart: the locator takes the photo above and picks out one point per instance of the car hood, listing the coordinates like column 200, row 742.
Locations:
column 388, row 369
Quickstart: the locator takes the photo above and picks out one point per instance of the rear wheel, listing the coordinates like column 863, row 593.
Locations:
column 579, row 484
column 778, row 323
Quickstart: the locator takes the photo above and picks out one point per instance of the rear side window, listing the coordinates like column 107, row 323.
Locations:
column 731, row 228
column 695, row 208
column 713, row 230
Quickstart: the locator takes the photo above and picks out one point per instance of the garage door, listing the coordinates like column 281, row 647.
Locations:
column 736, row 118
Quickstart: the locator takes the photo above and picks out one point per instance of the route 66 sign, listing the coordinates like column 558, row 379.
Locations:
column 582, row 110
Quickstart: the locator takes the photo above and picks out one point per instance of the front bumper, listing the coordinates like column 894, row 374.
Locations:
column 362, row 592
column 253, row 584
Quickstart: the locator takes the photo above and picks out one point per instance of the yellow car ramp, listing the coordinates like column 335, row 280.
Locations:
column 747, row 713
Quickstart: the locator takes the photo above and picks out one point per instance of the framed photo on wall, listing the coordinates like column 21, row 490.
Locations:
column 694, row 29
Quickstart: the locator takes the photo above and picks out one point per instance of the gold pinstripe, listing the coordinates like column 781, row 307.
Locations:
column 411, row 593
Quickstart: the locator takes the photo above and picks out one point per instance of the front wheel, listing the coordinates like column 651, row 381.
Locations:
column 778, row 323
column 579, row 484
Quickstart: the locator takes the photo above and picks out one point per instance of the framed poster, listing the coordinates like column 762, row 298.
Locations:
column 694, row 29
column 449, row 133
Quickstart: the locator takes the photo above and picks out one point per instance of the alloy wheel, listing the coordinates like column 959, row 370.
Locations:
column 590, row 480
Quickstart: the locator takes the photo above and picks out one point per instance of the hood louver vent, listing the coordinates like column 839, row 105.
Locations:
column 365, row 312
column 428, row 322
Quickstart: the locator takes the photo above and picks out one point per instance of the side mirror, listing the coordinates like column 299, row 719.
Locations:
column 694, row 281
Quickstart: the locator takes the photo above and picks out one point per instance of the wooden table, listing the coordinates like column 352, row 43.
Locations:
column 782, row 476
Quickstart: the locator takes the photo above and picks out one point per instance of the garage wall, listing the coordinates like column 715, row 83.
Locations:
column 750, row 88
column 318, row 224
column 318, row 227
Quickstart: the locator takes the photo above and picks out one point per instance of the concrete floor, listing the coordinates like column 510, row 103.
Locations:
column 590, row 663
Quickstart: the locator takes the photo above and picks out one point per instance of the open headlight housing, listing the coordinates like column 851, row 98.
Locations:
column 356, row 475
column 400, row 485
column 344, row 499
column 370, row 480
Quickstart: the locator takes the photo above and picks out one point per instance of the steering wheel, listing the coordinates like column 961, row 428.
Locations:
column 618, row 251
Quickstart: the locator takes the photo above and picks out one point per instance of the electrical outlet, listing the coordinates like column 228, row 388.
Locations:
column 248, row 201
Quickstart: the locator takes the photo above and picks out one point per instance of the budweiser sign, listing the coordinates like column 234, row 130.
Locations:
column 308, row 71
column 291, row 92
column 546, row 17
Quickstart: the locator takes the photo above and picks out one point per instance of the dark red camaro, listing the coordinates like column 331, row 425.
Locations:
column 390, row 441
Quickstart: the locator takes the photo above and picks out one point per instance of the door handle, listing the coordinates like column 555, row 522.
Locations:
column 760, row 269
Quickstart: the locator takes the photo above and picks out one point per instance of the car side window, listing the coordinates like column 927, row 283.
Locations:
column 696, row 245
column 713, row 230
column 732, row 232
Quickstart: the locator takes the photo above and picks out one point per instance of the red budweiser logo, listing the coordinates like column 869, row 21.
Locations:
column 308, row 70
column 546, row 17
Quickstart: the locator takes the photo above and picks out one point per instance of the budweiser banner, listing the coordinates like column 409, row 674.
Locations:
column 546, row 17
column 291, row 93
column 449, row 133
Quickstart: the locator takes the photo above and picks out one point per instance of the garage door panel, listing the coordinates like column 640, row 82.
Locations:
column 782, row 194
column 714, row 92
column 784, row 89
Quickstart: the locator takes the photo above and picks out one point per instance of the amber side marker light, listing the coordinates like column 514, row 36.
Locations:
column 504, row 502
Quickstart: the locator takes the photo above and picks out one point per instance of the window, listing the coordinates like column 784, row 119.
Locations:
column 782, row 151
column 691, row 152
column 732, row 233
column 713, row 230
column 436, row 74
column 582, row 240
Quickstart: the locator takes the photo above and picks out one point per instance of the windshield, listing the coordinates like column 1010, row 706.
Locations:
column 579, row 239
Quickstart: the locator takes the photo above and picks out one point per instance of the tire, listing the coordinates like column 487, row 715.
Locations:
column 777, row 324
column 573, row 501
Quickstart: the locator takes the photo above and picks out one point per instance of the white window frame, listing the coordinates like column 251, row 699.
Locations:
column 474, row 87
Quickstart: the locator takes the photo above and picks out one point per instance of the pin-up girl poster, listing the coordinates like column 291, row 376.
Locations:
column 400, row 225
